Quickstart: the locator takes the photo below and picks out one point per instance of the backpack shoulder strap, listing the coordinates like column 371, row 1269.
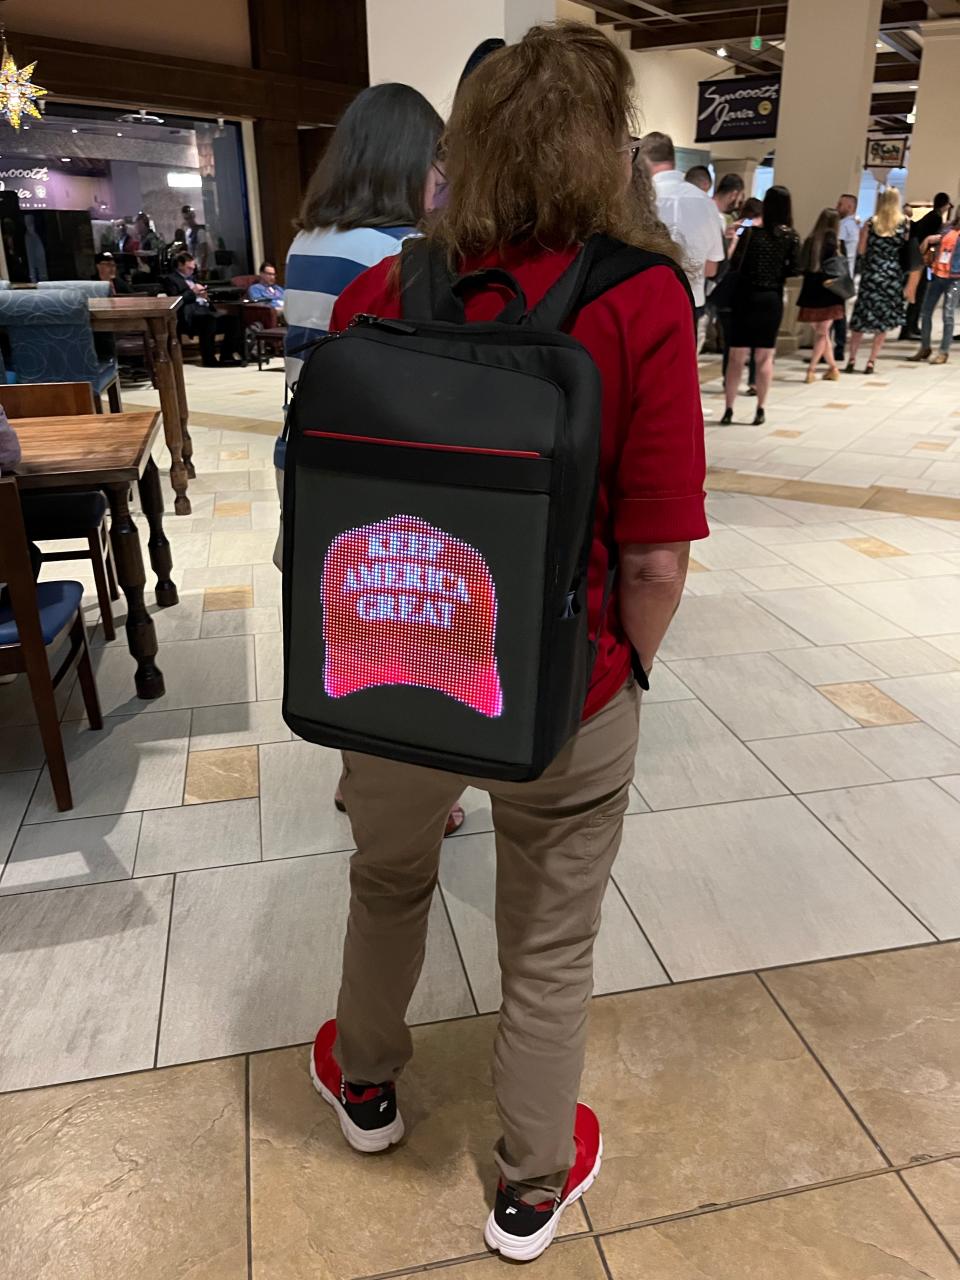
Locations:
column 426, row 284
column 601, row 265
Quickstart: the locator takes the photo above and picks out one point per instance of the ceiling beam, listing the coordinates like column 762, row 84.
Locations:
column 722, row 27
column 886, row 104
column 900, row 42
column 625, row 11
column 945, row 8
column 894, row 71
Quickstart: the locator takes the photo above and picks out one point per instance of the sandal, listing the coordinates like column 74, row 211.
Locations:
column 850, row 367
column 869, row 368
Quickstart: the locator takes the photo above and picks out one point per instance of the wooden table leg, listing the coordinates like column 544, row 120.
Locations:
column 141, row 633
column 170, row 408
column 151, row 499
column 176, row 355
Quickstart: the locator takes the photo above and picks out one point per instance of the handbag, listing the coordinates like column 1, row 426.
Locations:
column 838, row 278
column 724, row 292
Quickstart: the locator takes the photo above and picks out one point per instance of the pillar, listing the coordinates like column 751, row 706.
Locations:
column 426, row 43
column 934, row 160
column 746, row 166
column 828, row 69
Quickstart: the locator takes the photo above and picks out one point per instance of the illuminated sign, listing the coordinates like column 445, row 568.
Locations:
column 742, row 107
column 405, row 603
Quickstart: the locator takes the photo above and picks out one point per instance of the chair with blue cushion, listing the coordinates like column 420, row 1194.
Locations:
column 63, row 514
column 34, row 617
column 51, row 341
column 89, row 288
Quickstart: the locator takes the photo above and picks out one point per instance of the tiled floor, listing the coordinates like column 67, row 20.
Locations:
column 770, row 1107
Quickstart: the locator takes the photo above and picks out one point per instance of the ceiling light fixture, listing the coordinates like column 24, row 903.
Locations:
column 74, row 130
column 119, row 134
column 18, row 96
column 722, row 51
column 65, row 160
column 912, row 117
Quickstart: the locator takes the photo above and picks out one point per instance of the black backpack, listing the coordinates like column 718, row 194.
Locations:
column 439, row 495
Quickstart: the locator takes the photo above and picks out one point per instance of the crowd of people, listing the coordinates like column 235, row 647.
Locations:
column 739, row 253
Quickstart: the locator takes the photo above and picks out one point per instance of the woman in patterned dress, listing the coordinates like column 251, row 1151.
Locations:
column 881, row 302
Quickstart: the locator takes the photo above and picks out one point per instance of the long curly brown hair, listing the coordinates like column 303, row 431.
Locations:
column 533, row 150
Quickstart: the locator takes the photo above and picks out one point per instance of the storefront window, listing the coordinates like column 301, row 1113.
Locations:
column 73, row 185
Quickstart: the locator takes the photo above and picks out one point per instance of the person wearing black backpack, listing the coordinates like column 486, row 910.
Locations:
column 541, row 206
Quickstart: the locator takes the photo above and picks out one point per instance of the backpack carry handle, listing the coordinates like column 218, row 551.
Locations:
column 514, row 311
column 428, row 290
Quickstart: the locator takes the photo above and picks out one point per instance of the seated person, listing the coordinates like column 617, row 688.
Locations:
column 197, row 317
column 107, row 270
column 266, row 290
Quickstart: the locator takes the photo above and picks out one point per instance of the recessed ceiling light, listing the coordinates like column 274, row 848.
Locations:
column 65, row 160
column 74, row 130
column 119, row 134
column 913, row 86
column 880, row 46
column 722, row 51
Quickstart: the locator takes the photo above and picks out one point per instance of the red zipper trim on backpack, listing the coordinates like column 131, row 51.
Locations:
column 413, row 444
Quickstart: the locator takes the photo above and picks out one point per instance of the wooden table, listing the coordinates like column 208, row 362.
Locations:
column 110, row 451
column 156, row 319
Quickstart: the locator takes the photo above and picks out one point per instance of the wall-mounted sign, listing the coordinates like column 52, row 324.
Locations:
column 886, row 153
column 744, row 107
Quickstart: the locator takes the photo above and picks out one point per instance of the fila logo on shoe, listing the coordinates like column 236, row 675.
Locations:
column 384, row 1104
column 343, row 1091
column 512, row 1210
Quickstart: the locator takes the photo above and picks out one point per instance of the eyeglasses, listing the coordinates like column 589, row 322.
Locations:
column 633, row 146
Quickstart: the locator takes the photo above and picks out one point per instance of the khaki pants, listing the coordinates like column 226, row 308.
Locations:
column 556, row 839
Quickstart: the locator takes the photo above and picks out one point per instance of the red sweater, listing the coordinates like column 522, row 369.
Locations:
column 652, row 464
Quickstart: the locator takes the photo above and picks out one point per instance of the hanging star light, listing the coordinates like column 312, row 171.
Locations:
column 17, row 94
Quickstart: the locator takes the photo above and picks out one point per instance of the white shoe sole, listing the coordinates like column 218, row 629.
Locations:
column 366, row 1141
column 526, row 1248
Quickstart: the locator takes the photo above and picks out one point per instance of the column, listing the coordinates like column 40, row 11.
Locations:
column 746, row 166
column 426, row 43
column 829, row 60
column 934, row 159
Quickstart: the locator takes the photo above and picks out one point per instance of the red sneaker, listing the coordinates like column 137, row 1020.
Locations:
column 368, row 1117
column 520, row 1231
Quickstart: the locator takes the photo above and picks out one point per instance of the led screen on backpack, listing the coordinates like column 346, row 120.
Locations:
column 417, row 618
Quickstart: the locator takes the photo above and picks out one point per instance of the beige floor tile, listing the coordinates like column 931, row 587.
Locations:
column 254, row 547
column 238, row 724
column 830, row 664
column 687, row 757
column 565, row 1260
column 824, row 616
column 905, row 751
column 727, row 481
column 140, row 1175
column 901, row 658
column 297, row 818
column 756, row 696
column 15, row 792
column 424, row 1202
column 709, row 626
column 738, row 886
column 906, row 832
column 934, row 699
column 937, row 1187
column 828, row 495
column 727, row 549
column 873, row 547
column 255, row 953
column 688, row 1083
column 835, row 563
column 231, row 773
column 922, row 606
column 55, row 855
column 868, row 1230
column 813, row 761
column 197, row 836
column 240, row 622
column 865, row 703
column 226, row 510
column 887, row 1028
column 81, row 971
column 230, row 597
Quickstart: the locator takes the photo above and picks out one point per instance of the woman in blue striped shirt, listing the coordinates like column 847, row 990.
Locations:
column 373, row 187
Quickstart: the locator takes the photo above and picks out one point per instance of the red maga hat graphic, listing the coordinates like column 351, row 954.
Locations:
column 406, row 603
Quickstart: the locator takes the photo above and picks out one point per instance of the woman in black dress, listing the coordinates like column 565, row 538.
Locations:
column 882, row 298
column 818, row 306
column 763, row 259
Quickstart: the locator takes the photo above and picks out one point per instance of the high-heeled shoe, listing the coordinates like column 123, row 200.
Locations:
column 850, row 367
column 727, row 418
column 869, row 368
column 759, row 418
column 811, row 375
column 832, row 375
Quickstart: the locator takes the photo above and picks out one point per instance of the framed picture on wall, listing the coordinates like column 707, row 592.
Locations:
column 886, row 153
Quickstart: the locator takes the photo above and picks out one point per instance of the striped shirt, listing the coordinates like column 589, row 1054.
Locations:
column 320, row 265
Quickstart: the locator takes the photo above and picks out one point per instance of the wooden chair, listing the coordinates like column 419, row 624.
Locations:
column 67, row 515
column 37, row 616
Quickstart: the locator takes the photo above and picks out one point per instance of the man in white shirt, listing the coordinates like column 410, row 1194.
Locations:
column 688, row 213
column 849, row 236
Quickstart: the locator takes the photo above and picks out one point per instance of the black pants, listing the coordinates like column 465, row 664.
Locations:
column 205, row 323
column 840, row 335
